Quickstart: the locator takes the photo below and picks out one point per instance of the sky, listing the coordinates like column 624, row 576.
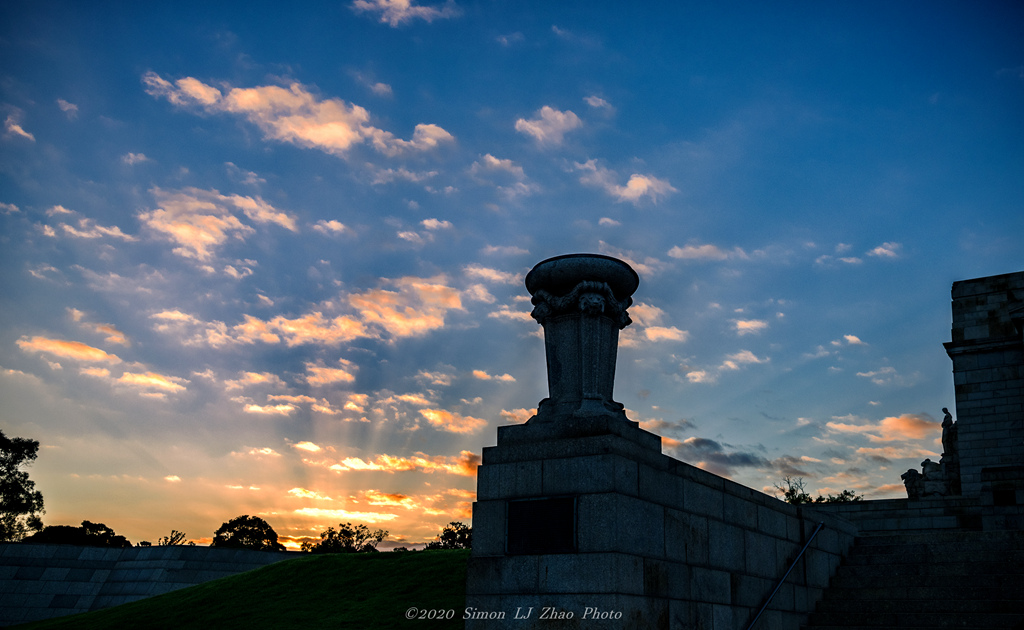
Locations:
column 269, row 260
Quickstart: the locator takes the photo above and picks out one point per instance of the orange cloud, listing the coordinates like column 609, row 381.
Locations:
column 279, row 410
column 66, row 349
column 313, row 328
column 453, row 422
column 339, row 515
column 484, row 376
column 748, row 326
column 663, row 333
column 517, row 416
column 254, row 378
column 152, row 380
column 200, row 221
column 908, row 426
column 419, row 305
column 295, row 115
column 320, row 375
column 374, row 497
column 302, row 493
column 465, row 464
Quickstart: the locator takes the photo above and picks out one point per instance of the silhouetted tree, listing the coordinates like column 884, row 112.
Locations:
column 793, row 492
column 247, row 532
column 20, row 503
column 348, row 538
column 175, row 538
column 455, row 535
column 846, row 496
column 87, row 535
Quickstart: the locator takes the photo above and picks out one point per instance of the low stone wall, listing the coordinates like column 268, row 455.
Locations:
column 903, row 516
column 44, row 581
column 658, row 542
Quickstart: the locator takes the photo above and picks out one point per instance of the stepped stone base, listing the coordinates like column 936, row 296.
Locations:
column 648, row 541
column 952, row 579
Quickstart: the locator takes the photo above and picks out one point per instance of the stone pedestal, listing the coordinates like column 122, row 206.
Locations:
column 581, row 522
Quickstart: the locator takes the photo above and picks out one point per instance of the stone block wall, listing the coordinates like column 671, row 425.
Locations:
column 44, row 581
column 657, row 541
column 987, row 350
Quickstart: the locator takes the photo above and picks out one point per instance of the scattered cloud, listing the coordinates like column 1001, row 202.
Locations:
column 295, row 115
column 707, row 252
column 251, row 379
column 323, row 515
column 887, row 250
column 749, row 326
column 12, row 127
column 87, row 228
column 436, row 224
column 75, row 350
column 319, row 375
column 132, row 159
column 201, row 221
column 510, row 39
column 153, row 381
column 491, row 275
column 464, row 464
column 663, row 333
column 484, row 376
column 549, row 126
column 636, row 189
column 713, row 456
column 331, row 227
column 270, row 410
column 504, row 250
column 452, row 422
column 908, row 426
column 69, row 109
column 517, row 416
column 887, row 375
column 489, row 163
column 743, row 357
column 599, row 103
column 397, row 12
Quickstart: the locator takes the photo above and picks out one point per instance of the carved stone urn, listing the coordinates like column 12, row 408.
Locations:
column 581, row 301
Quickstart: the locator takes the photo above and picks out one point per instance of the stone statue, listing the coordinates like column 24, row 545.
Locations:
column 942, row 478
column 950, row 453
column 934, row 480
column 949, row 434
column 913, row 482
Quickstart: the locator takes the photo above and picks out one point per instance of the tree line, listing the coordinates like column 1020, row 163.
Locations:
column 21, row 509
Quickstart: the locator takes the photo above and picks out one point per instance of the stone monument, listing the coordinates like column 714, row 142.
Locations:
column 581, row 521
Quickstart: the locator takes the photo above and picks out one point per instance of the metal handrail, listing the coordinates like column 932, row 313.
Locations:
column 788, row 571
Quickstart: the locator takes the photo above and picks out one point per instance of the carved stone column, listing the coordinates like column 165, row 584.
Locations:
column 581, row 301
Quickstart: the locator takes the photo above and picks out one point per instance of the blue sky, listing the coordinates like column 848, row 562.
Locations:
column 259, row 260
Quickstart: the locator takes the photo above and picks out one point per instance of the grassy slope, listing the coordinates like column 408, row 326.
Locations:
column 322, row 591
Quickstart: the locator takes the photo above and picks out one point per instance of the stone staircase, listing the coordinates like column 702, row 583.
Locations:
column 953, row 579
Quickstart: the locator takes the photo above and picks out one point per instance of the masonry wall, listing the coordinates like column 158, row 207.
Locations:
column 45, row 581
column 662, row 543
column 987, row 350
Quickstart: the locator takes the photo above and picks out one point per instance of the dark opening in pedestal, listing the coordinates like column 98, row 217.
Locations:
column 541, row 526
